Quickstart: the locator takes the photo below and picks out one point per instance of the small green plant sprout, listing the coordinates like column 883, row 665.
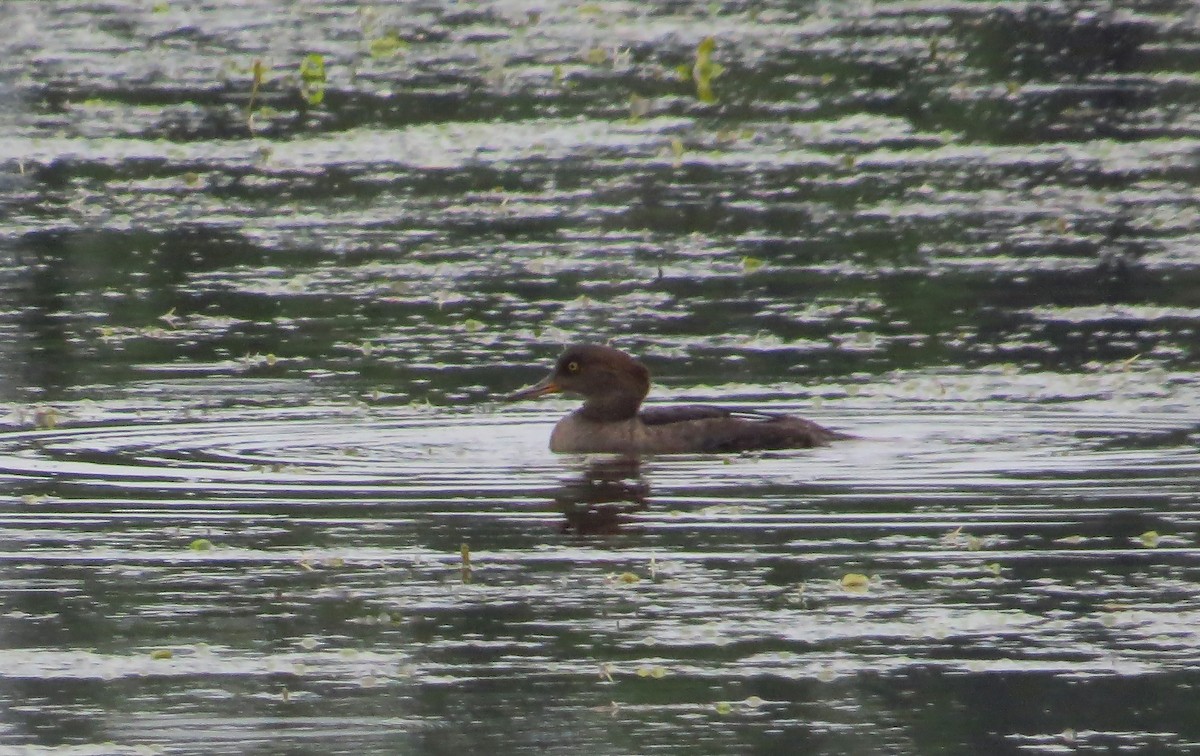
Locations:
column 677, row 150
column 703, row 70
column 1128, row 363
column 594, row 56
column 258, row 72
column 465, row 554
column 46, row 418
column 386, row 46
column 170, row 318
column 958, row 539
column 855, row 582
column 312, row 79
column 655, row 672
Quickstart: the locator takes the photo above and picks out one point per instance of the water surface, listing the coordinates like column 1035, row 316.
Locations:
column 250, row 364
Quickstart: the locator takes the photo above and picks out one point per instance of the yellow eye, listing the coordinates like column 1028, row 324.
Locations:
column 572, row 367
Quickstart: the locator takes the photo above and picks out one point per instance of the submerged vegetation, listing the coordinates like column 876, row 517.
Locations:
column 312, row 79
column 703, row 70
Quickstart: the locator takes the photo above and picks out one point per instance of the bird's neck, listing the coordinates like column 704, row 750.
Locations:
column 612, row 406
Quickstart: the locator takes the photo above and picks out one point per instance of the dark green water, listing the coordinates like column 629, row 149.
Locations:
column 249, row 365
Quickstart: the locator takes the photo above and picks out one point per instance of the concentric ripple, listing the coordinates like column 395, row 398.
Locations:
column 935, row 451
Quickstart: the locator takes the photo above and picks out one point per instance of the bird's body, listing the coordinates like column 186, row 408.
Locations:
column 613, row 385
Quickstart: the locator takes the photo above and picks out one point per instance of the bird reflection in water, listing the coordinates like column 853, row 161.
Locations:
column 600, row 499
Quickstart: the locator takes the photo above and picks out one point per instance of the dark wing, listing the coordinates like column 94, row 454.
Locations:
column 774, row 432
column 664, row 415
column 746, row 430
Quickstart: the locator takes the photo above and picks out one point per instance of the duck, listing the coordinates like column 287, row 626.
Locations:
column 611, row 420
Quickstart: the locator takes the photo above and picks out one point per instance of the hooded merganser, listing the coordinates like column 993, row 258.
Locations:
column 613, row 385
